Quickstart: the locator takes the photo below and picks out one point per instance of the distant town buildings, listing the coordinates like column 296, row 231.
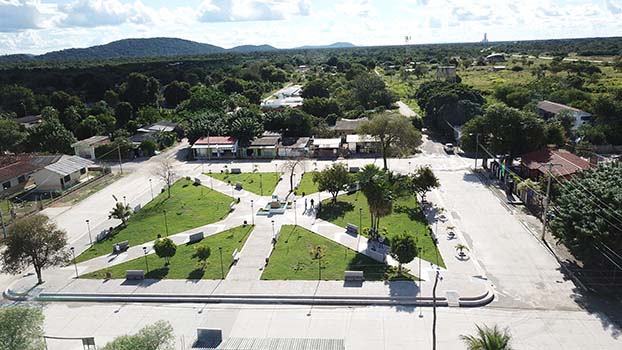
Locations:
column 495, row 57
column 287, row 97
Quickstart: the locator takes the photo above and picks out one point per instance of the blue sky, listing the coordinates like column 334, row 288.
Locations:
column 37, row 26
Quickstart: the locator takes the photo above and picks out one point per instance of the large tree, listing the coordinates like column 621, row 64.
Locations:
column 36, row 241
column 158, row 336
column 503, row 130
column 403, row 249
column 245, row 125
column 395, row 133
column 140, row 90
column 21, row 328
column 176, row 92
column 375, row 186
column 588, row 212
column 165, row 248
column 11, row 135
column 50, row 136
column 332, row 179
column 423, row 181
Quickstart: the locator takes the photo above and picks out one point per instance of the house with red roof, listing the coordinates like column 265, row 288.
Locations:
column 215, row 147
column 535, row 164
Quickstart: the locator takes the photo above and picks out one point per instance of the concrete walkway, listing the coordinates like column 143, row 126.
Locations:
column 253, row 256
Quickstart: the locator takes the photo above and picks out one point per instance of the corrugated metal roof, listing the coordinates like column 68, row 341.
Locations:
column 280, row 344
column 68, row 165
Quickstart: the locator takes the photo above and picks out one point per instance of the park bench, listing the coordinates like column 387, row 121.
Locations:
column 353, row 276
column 235, row 257
column 135, row 275
column 195, row 237
column 120, row 247
column 231, row 206
column 238, row 186
column 354, row 169
column 236, row 171
column 352, row 230
column 197, row 181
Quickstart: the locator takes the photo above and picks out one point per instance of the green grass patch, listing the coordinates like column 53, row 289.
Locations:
column 259, row 183
column 190, row 206
column 292, row 259
column 306, row 185
column 406, row 217
column 184, row 265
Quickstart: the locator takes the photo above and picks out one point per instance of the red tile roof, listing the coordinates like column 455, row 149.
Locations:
column 12, row 166
column 566, row 163
column 216, row 140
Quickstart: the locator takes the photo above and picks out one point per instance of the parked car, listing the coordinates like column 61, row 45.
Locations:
column 449, row 147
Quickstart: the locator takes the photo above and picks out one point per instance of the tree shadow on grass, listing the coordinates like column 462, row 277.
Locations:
column 196, row 274
column 414, row 214
column 332, row 211
column 158, row 273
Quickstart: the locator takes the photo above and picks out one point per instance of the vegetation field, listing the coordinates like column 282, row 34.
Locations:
column 258, row 183
column 306, row 184
column 188, row 207
column 185, row 265
column 406, row 217
column 292, row 259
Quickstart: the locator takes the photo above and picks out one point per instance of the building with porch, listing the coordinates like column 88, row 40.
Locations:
column 264, row 147
column 534, row 165
column 68, row 171
column 365, row 144
column 326, row 148
column 215, row 147
column 293, row 147
column 86, row 148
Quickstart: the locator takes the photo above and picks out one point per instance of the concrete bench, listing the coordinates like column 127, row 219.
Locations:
column 135, row 275
column 353, row 276
column 354, row 169
column 352, row 230
column 120, row 247
column 197, row 181
column 235, row 257
column 195, row 237
column 236, row 171
column 231, row 206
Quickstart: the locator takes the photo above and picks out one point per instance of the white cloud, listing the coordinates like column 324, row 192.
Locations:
column 360, row 8
column 95, row 13
column 251, row 10
column 17, row 15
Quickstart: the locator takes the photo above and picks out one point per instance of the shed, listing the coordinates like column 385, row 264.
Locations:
column 68, row 171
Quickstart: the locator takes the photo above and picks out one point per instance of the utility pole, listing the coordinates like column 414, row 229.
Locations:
column 3, row 227
column 120, row 163
column 434, row 311
column 547, row 199
column 476, row 148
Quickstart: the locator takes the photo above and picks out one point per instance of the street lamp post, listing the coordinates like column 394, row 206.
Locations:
column 295, row 214
column 273, row 230
column 476, row 149
column 165, row 222
column 261, row 183
column 151, row 187
column 252, row 212
column 74, row 260
column 222, row 269
column 88, row 225
column 146, row 263
column 124, row 200
column 409, row 167
column 276, row 171
column 420, row 284
column 211, row 179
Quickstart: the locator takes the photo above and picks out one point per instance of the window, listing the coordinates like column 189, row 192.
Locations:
column 83, row 171
column 67, row 178
column 21, row 179
column 6, row 185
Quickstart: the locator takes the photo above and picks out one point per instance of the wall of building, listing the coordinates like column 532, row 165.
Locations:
column 48, row 181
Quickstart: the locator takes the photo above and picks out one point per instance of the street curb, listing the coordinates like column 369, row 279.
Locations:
column 342, row 300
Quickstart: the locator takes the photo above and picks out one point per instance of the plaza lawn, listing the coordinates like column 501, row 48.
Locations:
column 184, row 265
column 291, row 259
column 186, row 209
column 306, row 185
column 406, row 217
column 251, row 181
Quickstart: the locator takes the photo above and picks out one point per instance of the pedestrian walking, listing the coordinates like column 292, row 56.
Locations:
column 305, row 204
column 312, row 207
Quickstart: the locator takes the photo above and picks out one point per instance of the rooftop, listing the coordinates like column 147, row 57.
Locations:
column 360, row 138
column 216, row 140
column 12, row 166
column 349, row 124
column 554, row 107
column 161, row 126
column 92, row 141
column 566, row 163
column 68, row 165
column 265, row 141
column 327, row 143
column 294, row 142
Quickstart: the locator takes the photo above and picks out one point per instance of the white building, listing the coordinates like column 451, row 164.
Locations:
column 362, row 144
column 286, row 97
column 326, row 148
column 68, row 171
column 214, row 147
column 548, row 109
column 86, row 148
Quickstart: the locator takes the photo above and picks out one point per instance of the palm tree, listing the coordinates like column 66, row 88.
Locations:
column 121, row 211
column 488, row 339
